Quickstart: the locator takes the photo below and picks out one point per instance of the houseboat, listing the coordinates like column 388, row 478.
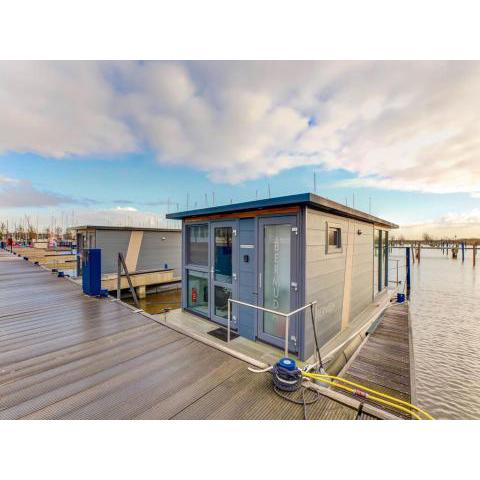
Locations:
column 152, row 255
column 282, row 254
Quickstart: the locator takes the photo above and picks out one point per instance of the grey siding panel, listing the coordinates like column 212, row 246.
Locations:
column 111, row 242
column 362, row 277
column 159, row 249
column 247, row 279
column 325, row 274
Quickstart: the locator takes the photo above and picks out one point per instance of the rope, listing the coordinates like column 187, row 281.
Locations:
column 320, row 363
column 303, row 400
column 286, row 380
column 359, row 411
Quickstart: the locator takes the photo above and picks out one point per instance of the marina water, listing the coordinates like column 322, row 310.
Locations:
column 445, row 314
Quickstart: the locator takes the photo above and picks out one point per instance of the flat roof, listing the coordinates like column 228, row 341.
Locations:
column 142, row 229
column 306, row 199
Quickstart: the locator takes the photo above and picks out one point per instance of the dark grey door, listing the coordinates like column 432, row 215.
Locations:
column 223, row 272
column 278, row 276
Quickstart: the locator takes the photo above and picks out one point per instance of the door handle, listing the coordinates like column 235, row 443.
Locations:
column 294, row 285
column 259, row 280
column 234, row 275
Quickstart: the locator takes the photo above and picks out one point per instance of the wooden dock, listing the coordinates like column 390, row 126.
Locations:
column 384, row 361
column 67, row 355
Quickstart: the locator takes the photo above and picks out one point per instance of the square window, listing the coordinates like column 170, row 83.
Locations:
column 334, row 239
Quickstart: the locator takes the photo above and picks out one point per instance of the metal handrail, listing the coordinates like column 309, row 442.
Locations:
column 268, row 310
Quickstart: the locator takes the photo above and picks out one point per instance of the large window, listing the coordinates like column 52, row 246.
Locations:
column 197, row 245
column 223, row 254
column 197, row 291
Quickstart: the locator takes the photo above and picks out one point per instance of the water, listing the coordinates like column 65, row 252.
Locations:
column 445, row 317
column 159, row 302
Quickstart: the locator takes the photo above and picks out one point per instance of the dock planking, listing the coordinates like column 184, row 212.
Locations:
column 383, row 361
column 64, row 355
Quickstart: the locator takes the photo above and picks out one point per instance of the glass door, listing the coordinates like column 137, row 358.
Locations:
column 222, row 270
column 277, row 279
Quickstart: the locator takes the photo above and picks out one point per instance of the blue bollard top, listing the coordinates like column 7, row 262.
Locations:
column 287, row 363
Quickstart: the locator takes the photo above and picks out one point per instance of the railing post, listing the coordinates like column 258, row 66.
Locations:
column 119, row 277
column 407, row 265
column 397, row 273
column 287, row 324
column 228, row 320
column 273, row 312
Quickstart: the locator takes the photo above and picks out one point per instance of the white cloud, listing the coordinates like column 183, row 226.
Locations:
column 399, row 125
column 58, row 109
column 465, row 224
column 21, row 193
column 122, row 216
column 125, row 209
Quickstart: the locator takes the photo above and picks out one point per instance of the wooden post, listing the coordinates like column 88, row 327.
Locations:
column 413, row 254
column 141, row 291
column 419, row 247
column 407, row 265
column 463, row 251
column 474, row 253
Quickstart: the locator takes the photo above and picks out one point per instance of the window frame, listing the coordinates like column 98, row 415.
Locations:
column 196, row 266
column 190, row 266
column 188, row 307
column 331, row 249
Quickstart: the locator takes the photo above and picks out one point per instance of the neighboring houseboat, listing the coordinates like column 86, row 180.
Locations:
column 143, row 248
column 283, row 253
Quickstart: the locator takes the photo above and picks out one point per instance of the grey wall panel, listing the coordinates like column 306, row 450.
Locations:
column 111, row 242
column 325, row 274
column 159, row 249
column 246, row 277
column 362, row 277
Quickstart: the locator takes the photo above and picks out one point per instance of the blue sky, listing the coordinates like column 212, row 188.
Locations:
column 137, row 181
column 115, row 139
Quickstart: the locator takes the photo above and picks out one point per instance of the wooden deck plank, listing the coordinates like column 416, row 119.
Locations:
column 66, row 355
column 383, row 361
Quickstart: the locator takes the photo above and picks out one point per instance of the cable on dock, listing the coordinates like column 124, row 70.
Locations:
column 366, row 393
column 288, row 378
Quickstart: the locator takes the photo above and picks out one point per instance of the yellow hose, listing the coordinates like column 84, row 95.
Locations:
column 372, row 391
column 330, row 379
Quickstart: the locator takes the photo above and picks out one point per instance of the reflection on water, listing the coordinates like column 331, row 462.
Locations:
column 158, row 302
column 446, row 335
